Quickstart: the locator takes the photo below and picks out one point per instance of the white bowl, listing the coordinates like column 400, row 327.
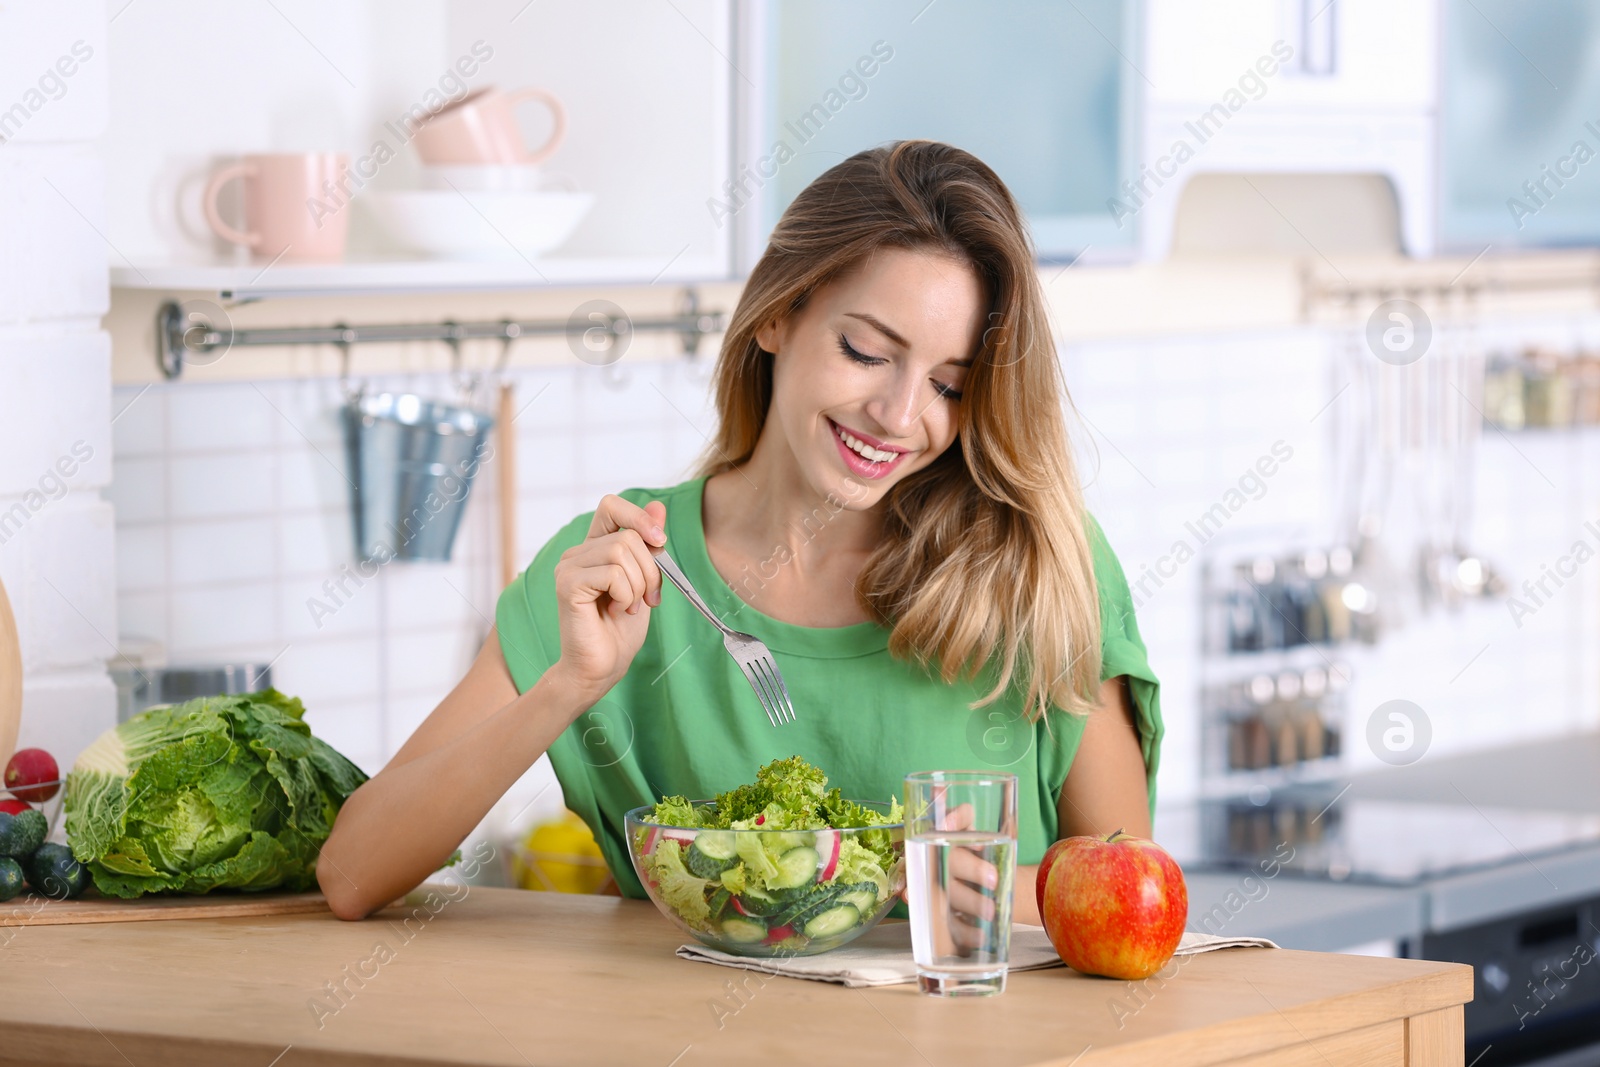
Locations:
column 482, row 177
column 479, row 225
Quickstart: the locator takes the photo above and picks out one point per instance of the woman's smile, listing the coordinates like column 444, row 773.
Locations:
column 865, row 455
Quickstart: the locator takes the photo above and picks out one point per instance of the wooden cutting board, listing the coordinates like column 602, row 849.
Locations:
column 31, row 909
column 10, row 679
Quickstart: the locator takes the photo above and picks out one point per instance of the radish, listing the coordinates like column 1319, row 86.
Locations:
column 828, row 849
column 31, row 774
column 682, row 836
column 778, row 933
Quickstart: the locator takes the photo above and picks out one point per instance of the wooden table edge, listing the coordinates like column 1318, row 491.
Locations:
column 1427, row 1003
column 1444, row 993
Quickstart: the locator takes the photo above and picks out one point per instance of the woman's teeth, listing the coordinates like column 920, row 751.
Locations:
column 861, row 448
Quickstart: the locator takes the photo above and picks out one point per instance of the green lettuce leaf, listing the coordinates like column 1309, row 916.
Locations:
column 682, row 891
column 795, row 784
column 675, row 811
column 858, row 863
column 216, row 793
column 759, row 856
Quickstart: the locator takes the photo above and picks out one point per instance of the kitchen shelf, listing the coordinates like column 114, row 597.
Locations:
column 1237, row 784
column 1247, row 661
column 256, row 281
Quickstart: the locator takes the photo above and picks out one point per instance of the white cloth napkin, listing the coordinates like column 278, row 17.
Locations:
column 882, row 955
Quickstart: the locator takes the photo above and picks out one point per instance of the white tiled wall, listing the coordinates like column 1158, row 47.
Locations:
column 56, row 533
column 1167, row 427
column 232, row 511
column 1170, row 425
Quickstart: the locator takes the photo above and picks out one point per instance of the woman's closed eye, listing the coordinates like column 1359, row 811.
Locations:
column 852, row 353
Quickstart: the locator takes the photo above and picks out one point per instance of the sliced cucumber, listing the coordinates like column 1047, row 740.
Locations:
column 782, row 841
column 743, row 931
column 718, row 901
column 863, row 898
column 796, row 868
column 718, row 844
column 754, row 902
column 702, row 864
column 834, row 921
column 805, row 905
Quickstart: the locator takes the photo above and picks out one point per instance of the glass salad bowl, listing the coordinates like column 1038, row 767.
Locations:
column 770, row 892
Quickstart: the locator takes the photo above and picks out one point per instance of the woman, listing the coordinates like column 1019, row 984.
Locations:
column 889, row 503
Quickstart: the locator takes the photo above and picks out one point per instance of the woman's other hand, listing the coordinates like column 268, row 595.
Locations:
column 969, row 899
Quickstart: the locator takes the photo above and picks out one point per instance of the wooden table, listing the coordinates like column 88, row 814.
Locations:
column 498, row 976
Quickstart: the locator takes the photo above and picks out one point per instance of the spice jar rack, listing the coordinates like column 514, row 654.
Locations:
column 1274, row 679
column 1541, row 388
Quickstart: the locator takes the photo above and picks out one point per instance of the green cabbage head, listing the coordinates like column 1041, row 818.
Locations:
column 216, row 793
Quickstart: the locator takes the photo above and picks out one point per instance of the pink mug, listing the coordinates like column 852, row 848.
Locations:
column 481, row 127
column 294, row 205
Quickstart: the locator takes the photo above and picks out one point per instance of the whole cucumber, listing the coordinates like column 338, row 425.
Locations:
column 22, row 833
column 53, row 871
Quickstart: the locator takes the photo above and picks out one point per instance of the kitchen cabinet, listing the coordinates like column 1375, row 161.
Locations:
column 1518, row 129
column 1350, row 55
column 1288, row 86
column 510, row 977
column 1045, row 93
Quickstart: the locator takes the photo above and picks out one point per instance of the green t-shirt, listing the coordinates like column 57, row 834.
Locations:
column 683, row 719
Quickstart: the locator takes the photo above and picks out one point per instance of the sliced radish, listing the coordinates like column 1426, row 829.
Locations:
column 738, row 907
column 778, row 933
column 672, row 833
column 828, row 849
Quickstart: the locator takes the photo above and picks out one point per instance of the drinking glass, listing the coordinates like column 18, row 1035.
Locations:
column 961, row 861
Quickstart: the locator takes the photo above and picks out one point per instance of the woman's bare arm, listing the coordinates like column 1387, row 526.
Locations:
column 402, row 824
column 1105, row 790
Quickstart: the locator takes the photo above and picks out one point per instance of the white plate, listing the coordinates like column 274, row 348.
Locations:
column 479, row 225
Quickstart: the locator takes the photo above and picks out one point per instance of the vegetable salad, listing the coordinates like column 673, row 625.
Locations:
column 822, row 867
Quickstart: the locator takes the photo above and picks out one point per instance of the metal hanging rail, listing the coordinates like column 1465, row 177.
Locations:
column 1445, row 280
column 189, row 335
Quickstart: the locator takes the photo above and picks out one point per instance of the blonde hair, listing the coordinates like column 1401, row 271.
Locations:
column 986, row 556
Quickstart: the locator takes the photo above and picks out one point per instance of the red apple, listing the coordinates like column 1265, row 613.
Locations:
column 1115, row 906
column 1051, row 854
column 31, row 774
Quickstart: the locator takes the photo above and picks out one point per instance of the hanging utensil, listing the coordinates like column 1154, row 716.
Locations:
column 1475, row 576
column 506, row 459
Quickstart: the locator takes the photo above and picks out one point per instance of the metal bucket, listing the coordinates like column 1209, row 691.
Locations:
column 142, row 687
column 412, row 463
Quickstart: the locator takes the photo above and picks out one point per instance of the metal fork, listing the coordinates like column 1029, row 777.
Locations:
column 747, row 651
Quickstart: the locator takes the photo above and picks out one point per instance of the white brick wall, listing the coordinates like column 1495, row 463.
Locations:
column 56, row 533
